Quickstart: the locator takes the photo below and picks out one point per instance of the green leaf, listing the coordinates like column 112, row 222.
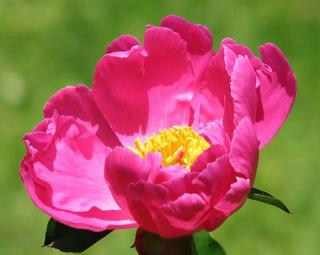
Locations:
column 201, row 243
column 264, row 197
column 205, row 244
column 68, row 239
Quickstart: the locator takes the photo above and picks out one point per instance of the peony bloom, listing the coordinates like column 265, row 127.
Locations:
column 166, row 140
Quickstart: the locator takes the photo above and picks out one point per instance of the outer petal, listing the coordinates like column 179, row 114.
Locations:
column 198, row 37
column 130, row 85
column 63, row 173
column 77, row 101
column 120, row 92
column 238, row 49
column 122, row 43
column 277, row 93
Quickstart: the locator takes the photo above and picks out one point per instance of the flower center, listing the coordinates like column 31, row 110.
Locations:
column 177, row 145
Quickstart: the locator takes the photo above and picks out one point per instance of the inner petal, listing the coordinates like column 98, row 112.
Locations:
column 177, row 146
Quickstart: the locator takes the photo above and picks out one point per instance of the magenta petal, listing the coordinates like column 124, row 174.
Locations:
column 129, row 86
column 244, row 149
column 234, row 198
column 242, row 50
column 77, row 101
column 63, row 172
column 243, row 89
column 122, row 43
column 170, row 78
column 198, row 37
column 157, row 211
column 167, row 56
column 121, row 94
column 215, row 179
column 185, row 214
column 277, row 93
column 216, row 135
column 122, row 168
column 144, row 200
column 209, row 101
column 208, row 156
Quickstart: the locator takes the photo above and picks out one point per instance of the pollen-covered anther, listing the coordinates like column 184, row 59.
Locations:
column 177, row 146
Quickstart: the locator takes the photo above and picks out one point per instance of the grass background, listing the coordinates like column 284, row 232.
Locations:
column 46, row 45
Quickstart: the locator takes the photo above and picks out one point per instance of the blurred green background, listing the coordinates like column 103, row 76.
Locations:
column 46, row 45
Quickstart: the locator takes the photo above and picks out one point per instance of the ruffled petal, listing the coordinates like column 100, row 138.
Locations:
column 234, row 198
column 157, row 211
column 144, row 200
column 243, row 90
column 209, row 100
column 277, row 93
column 215, row 134
column 208, row 156
column 185, row 214
column 63, row 172
column 215, row 179
column 122, row 43
column 198, row 37
column 150, row 88
column 123, row 167
column 244, row 150
column 77, row 101
column 120, row 92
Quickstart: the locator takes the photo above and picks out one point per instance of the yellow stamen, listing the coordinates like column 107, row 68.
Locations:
column 177, row 145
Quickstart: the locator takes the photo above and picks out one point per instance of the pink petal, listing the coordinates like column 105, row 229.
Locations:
column 164, row 174
column 234, row 198
column 77, row 101
column 122, row 168
column 243, row 90
column 122, row 43
column 169, row 75
column 238, row 49
column 120, row 92
column 185, row 214
column 277, row 93
column 215, row 134
column 216, row 218
column 129, row 86
column 215, row 179
column 156, row 212
column 208, row 102
column 63, row 172
column 144, row 200
column 244, row 149
column 208, row 156
column 198, row 37
column 167, row 56
column 180, row 184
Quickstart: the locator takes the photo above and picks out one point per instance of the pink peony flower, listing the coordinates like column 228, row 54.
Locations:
column 166, row 140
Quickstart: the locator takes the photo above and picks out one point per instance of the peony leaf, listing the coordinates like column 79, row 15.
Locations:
column 264, row 197
column 201, row 243
column 68, row 239
column 205, row 244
